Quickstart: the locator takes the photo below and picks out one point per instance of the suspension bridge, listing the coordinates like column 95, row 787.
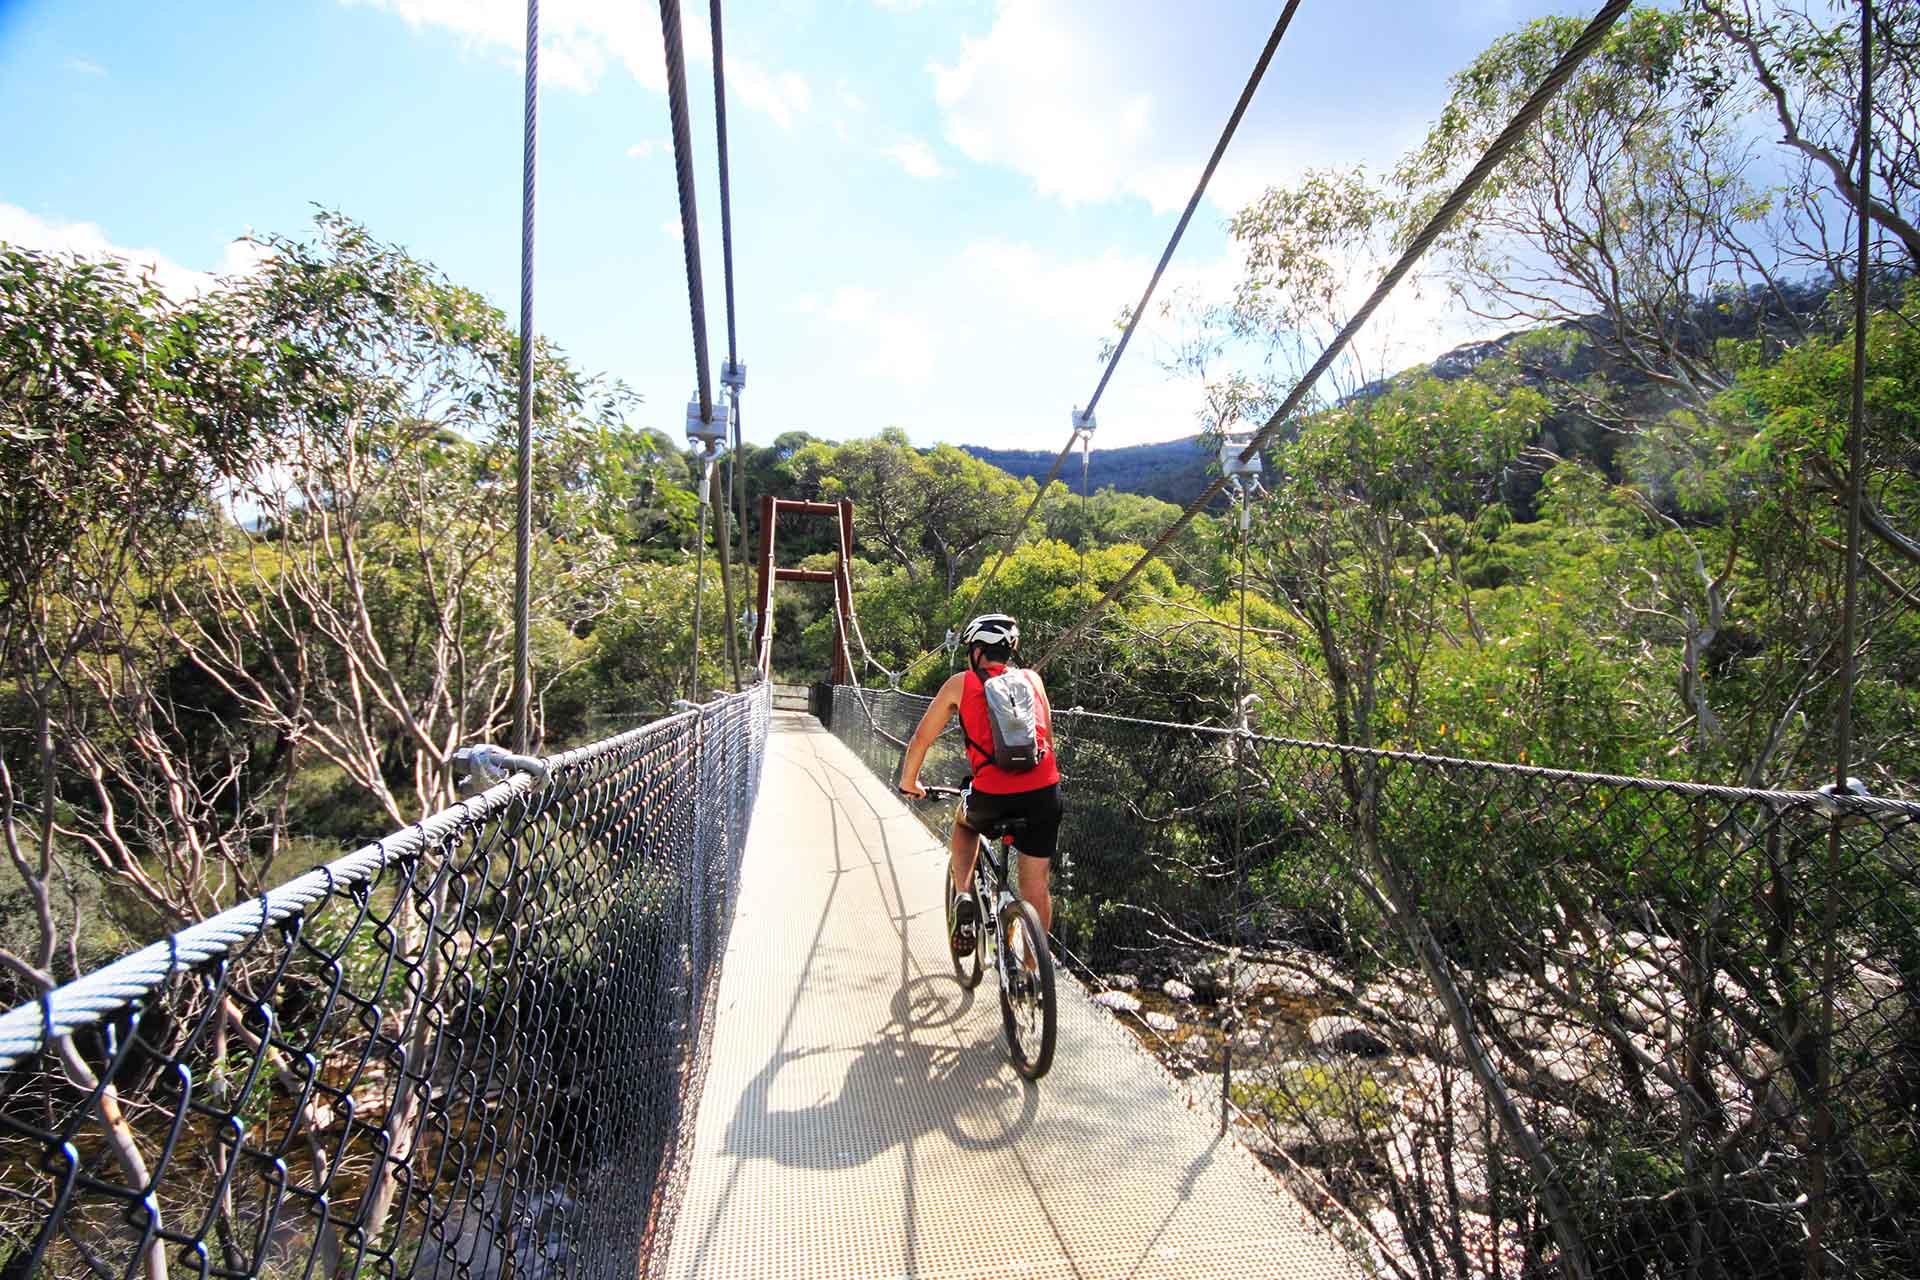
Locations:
column 677, row 1003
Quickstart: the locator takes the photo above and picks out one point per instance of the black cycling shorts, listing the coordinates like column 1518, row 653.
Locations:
column 1040, row 808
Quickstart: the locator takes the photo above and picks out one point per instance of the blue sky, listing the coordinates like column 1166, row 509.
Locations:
column 939, row 205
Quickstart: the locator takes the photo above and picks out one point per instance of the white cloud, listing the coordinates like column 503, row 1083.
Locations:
column 892, row 343
column 940, row 371
column 1086, row 295
column 782, row 95
column 917, row 159
column 84, row 67
column 581, row 39
column 1054, row 315
column 642, row 150
column 88, row 240
column 1032, row 94
column 1094, row 100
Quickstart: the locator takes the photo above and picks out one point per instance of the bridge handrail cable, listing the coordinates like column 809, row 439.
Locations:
column 430, row 1010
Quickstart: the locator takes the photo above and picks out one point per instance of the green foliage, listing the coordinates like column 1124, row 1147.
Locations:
column 118, row 410
column 941, row 506
column 1311, row 1092
column 1111, row 517
column 636, row 660
column 1373, row 512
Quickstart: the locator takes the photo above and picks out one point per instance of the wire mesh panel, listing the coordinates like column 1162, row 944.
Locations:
column 470, row 1050
column 1493, row 1020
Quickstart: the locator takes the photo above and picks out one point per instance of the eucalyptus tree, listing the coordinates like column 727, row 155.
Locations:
column 939, row 511
column 1662, row 245
column 120, row 408
column 1634, row 212
column 1798, row 64
column 1360, row 538
column 366, row 605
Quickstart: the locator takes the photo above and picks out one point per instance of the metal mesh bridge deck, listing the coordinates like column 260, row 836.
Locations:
column 860, row 1118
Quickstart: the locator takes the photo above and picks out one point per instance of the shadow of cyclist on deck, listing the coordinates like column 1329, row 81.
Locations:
column 906, row 1082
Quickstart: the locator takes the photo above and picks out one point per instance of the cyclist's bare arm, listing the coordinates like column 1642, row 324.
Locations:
column 945, row 705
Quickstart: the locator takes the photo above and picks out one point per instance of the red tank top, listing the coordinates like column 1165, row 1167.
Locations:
column 979, row 730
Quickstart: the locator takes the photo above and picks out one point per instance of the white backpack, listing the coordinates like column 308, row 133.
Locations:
column 1013, row 716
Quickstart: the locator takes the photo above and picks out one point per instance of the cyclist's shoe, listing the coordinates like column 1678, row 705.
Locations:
column 964, row 916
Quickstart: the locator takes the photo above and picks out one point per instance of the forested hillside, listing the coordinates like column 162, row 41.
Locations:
column 1173, row 471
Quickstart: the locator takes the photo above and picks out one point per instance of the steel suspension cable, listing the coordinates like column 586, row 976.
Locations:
column 689, row 213
column 1824, row 1120
column 1516, row 129
column 696, row 295
column 1146, row 295
column 737, row 490
column 699, row 582
column 734, row 479
column 1241, row 734
column 719, row 496
column 726, row 190
column 523, row 518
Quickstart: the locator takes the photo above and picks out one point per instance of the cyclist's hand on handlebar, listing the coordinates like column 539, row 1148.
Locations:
column 912, row 787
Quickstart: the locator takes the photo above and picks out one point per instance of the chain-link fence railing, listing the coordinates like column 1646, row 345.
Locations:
column 469, row 1050
column 1502, row 1021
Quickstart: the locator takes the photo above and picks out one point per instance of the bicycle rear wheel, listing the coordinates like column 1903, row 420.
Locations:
column 1026, row 990
column 967, row 965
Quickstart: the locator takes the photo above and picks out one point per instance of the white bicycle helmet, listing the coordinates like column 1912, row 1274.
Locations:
column 992, row 628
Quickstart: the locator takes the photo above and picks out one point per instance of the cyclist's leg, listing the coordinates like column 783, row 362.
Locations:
column 965, row 844
column 1038, row 846
column 1035, row 877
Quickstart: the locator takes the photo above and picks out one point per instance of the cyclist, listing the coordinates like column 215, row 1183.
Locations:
column 993, row 794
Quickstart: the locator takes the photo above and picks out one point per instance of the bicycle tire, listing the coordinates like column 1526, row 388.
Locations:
column 1021, row 934
column 967, row 965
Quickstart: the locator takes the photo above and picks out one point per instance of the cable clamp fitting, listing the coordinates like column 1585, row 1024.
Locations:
column 733, row 375
column 1231, row 447
column 1829, row 805
column 485, row 765
column 1246, row 706
column 1083, row 422
column 712, row 431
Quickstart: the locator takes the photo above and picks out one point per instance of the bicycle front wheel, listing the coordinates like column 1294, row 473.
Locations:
column 1026, row 990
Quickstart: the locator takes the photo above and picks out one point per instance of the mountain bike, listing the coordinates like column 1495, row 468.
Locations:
column 1007, row 928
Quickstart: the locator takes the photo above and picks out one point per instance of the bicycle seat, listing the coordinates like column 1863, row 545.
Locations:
column 1002, row 828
